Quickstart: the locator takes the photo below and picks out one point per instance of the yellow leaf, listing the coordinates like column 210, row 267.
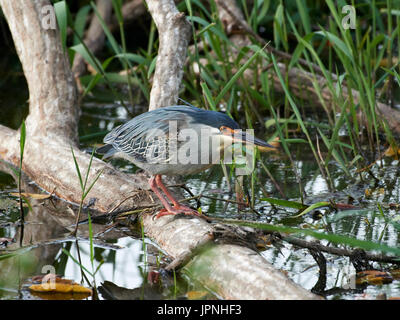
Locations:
column 196, row 295
column 373, row 277
column 390, row 152
column 385, row 62
column 58, row 285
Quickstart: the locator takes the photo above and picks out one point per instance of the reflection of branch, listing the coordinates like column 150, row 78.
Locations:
column 174, row 32
column 321, row 261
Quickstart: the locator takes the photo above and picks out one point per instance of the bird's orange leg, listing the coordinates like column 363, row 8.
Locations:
column 177, row 208
column 153, row 186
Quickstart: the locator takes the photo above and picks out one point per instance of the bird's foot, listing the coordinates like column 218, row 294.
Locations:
column 177, row 210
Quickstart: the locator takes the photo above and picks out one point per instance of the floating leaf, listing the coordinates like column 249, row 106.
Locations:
column 55, row 284
column 391, row 152
column 285, row 203
column 312, row 207
column 196, row 295
column 373, row 277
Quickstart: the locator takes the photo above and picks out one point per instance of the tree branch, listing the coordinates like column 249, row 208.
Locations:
column 174, row 33
column 53, row 112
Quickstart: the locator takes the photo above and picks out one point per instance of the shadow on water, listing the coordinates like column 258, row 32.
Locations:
column 129, row 265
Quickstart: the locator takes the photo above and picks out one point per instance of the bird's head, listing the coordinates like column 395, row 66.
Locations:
column 228, row 130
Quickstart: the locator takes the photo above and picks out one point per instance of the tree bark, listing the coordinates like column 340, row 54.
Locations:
column 173, row 33
column 52, row 132
column 53, row 113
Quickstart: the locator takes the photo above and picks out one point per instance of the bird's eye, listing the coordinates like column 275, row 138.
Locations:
column 225, row 130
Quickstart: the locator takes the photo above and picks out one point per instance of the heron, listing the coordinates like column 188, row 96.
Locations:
column 175, row 140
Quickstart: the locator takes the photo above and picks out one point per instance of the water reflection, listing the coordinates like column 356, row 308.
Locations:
column 124, row 267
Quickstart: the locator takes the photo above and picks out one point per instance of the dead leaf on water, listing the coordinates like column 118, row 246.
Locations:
column 392, row 152
column 373, row 277
column 55, row 287
column 196, row 295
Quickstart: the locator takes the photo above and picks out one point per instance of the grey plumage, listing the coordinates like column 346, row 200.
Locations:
column 147, row 140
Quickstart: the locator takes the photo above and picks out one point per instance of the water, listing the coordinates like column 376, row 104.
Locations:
column 126, row 263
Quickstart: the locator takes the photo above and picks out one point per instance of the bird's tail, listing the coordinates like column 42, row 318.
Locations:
column 108, row 151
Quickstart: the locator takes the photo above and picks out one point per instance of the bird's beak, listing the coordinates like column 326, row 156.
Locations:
column 246, row 138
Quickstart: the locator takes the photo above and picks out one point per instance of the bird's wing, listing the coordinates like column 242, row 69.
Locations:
column 149, row 133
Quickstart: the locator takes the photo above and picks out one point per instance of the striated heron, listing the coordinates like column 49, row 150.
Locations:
column 175, row 140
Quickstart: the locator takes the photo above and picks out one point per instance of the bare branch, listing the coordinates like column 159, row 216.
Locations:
column 174, row 33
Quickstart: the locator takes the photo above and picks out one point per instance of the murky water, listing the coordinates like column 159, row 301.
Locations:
column 125, row 265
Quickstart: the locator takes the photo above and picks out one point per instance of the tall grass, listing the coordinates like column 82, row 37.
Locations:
column 83, row 184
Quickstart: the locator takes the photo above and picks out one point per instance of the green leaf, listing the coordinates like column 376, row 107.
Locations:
column 76, row 261
column 305, row 18
column 80, row 22
column 117, row 4
column 106, row 30
column 285, row 203
column 237, row 75
column 80, row 48
column 312, row 207
column 151, row 67
column 334, row 238
column 335, row 154
column 208, row 96
column 337, row 42
column 22, row 140
column 214, row 30
column 60, row 9
column 77, row 170
column 91, row 241
column 132, row 57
